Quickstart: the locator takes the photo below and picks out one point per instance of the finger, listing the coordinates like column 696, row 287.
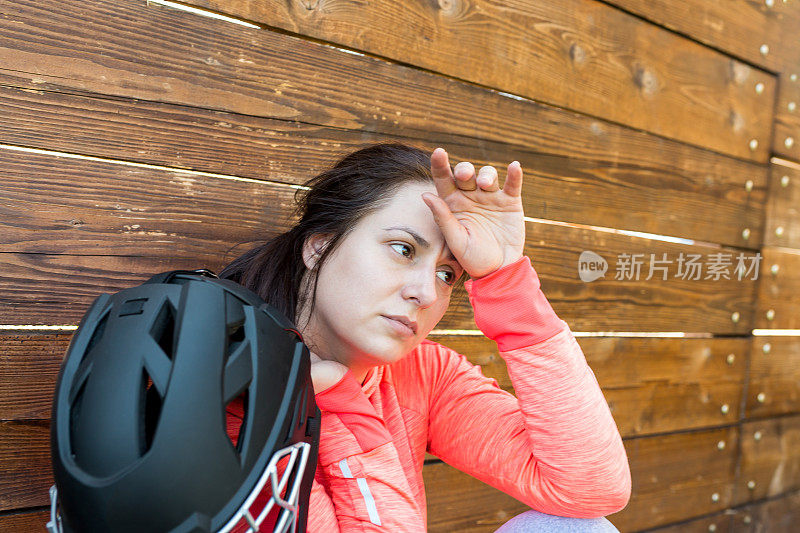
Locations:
column 464, row 174
column 454, row 233
column 513, row 184
column 487, row 179
column 442, row 175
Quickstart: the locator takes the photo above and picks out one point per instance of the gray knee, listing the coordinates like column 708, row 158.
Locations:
column 534, row 521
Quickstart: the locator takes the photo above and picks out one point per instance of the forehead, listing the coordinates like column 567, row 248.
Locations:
column 406, row 206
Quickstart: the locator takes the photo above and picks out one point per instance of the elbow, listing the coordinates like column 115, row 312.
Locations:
column 616, row 493
column 597, row 497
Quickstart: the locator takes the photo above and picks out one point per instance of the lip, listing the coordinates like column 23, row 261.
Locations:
column 402, row 324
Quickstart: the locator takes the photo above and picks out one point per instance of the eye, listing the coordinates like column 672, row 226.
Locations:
column 405, row 247
column 451, row 277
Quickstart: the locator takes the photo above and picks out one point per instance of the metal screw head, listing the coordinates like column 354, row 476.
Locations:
column 779, row 231
column 761, row 397
column 751, row 484
column 789, row 142
column 721, row 445
column 747, row 519
column 764, row 49
column 791, row 106
column 793, row 77
column 735, row 317
column 784, row 181
column 712, row 527
column 774, row 269
column 724, row 409
column 766, row 348
column 748, row 185
column 759, row 88
column 730, row 359
column 770, row 314
column 757, row 435
column 746, row 233
column 715, row 497
column 753, row 144
column 769, row 3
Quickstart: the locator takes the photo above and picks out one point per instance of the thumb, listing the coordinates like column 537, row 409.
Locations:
column 454, row 232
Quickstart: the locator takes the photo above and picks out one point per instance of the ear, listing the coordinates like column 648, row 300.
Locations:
column 313, row 248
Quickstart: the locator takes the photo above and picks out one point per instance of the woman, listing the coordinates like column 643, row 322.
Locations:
column 366, row 274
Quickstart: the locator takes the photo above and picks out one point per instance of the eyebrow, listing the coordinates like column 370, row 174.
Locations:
column 420, row 239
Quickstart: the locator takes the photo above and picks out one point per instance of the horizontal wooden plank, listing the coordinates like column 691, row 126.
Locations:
column 786, row 139
column 634, row 303
column 770, row 460
column 652, row 385
column 581, row 170
column 29, row 366
column 25, row 472
column 775, row 515
column 44, row 288
column 679, row 476
column 24, row 522
column 196, row 220
column 58, row 204
column 779, row 289
column 41, row 289
column 774, row 387
column 459, row 502
column 738, row 27
column 782, row 227
column 674, row 478
column 718, row 522
column 577, row 54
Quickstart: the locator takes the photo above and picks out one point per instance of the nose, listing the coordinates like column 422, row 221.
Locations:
column 420, row 285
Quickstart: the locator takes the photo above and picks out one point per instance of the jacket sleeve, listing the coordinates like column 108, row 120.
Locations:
column 367, row 489
column 555, row 446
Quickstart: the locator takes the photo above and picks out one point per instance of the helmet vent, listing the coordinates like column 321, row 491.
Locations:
column 163, row 330
column 97, row 334
column 74, row 415
column 150, row 403
column 235, row 338
column 236, row 420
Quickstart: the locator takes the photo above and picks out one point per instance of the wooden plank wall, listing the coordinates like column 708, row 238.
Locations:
column 137, row 137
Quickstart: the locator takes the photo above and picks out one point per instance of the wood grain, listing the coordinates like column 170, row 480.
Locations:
column 774, row 384
column 786, row 136
column 778, row 291
column 782, row 227
column 652, row 385
column 738, row 27
column 29, row 366
column 717, row 522
column 776, row 515
column 24, row 522
column 121, row 215
column 576, row 54
column 674, row 478
column 25, row 472
column 577, row 169
column 770, row 458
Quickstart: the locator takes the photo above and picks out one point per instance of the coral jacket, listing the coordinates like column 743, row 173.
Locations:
column 555, row 446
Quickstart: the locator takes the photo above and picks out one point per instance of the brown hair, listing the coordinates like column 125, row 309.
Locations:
column 358, row 184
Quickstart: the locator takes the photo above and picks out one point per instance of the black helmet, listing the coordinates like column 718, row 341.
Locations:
column 174, row 406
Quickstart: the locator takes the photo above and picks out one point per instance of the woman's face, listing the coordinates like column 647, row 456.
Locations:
column 395, row 262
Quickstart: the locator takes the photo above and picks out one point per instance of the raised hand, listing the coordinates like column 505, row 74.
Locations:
column 482, row 224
